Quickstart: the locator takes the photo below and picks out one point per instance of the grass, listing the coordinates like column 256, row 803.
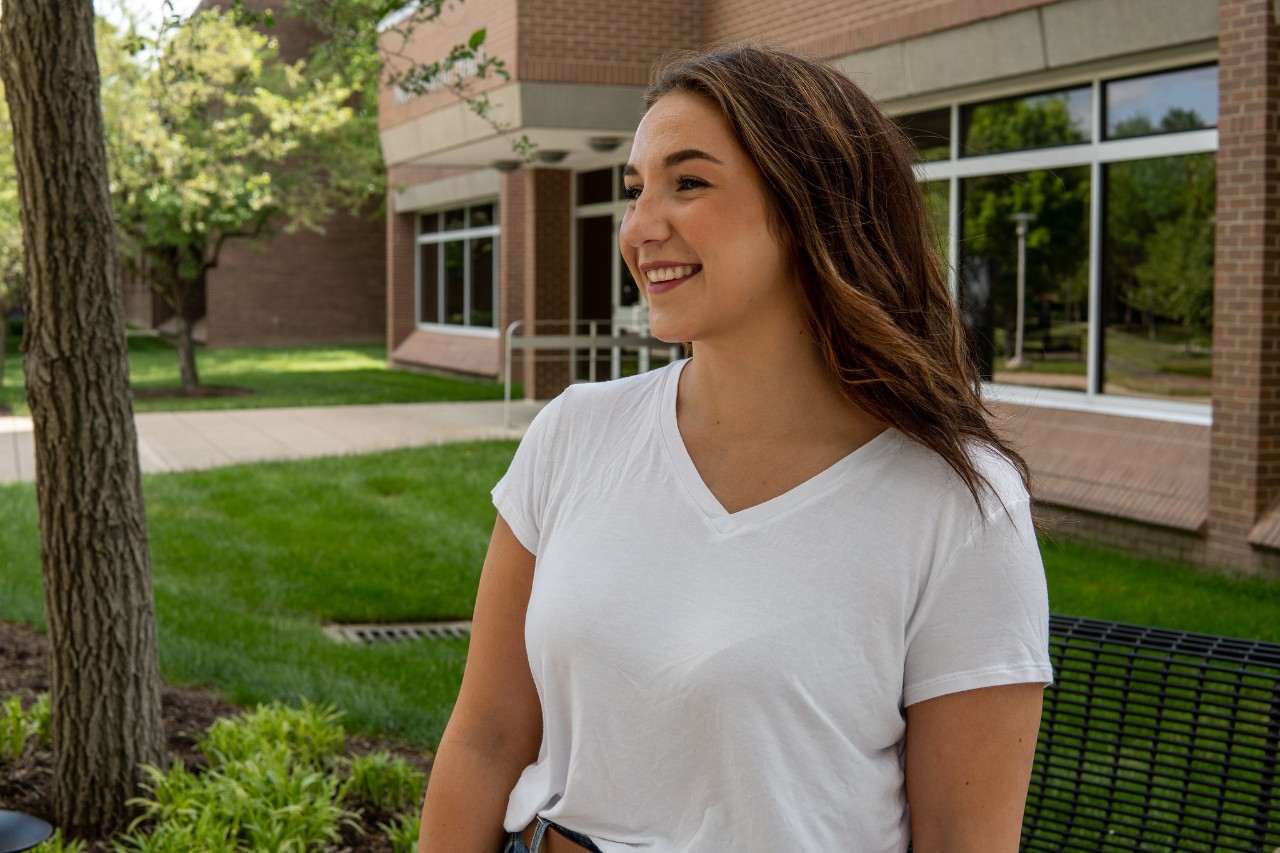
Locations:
column 250, row 561
column 274, row 377
column 1086, row 581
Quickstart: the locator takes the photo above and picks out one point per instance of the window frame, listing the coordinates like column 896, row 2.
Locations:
column 1095, row 154
column 464, row 235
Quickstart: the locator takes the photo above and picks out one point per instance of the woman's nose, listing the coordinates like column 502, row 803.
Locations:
column 644, row 222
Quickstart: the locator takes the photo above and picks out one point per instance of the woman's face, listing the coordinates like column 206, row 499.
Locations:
column 696, row 234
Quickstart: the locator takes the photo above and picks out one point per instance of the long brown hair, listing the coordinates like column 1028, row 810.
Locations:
column 846, row 203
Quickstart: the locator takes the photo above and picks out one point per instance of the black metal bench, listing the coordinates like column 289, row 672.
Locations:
column 1156, row 740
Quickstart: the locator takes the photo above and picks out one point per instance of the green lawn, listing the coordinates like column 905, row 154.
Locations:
column 250, row 561
column 1086, row 581
column 273, row 377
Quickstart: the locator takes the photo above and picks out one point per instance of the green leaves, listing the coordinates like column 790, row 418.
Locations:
column 211, row 136
column 270, row 786
column 21, row 728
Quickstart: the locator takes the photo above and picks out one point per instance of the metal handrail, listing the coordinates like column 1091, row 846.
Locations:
column 592, row 341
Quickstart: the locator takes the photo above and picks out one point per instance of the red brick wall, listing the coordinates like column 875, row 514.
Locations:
column 829, row 28
column 1245, row 452
column 301, row 288
column 432, row 42
column 401, row 303
column 1149, row 471
column 1119, row 534
column 511, row 256
column 547, row 217
column 605, row 41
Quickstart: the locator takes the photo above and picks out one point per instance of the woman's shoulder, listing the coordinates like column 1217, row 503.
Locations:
column 1000, row 484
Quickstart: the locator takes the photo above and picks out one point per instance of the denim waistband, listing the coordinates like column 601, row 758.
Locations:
column 515, row 844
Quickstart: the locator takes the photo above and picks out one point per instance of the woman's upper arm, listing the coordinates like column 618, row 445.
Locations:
column 968, row 765
column 498, row 707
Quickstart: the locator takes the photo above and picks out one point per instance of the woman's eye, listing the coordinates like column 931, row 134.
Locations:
column 631, row 193
column 691, row 183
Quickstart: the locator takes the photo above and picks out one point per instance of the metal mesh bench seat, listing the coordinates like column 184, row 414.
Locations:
column 1156, row 740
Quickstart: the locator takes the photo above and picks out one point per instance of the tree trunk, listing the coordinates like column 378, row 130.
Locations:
column 4, row 342
column 187, row 354
column 104, row 672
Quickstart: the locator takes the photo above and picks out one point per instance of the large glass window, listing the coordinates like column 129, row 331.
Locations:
column 1186, row 99
column 930, row 132
column 1083, row 239
column 457, row 267
column 1036, row 121
column 1158, row 276
column 1025, row 273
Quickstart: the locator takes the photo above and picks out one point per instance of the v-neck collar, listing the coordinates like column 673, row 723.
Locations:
column 715, row 513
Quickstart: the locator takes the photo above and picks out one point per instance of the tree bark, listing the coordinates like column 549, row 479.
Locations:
column 187, row 354
column 4, row 341
column 104, row 671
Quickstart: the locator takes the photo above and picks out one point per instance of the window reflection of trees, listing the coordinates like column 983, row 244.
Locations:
column 1158, row 271
column 1057, row 273
column 1043, row 121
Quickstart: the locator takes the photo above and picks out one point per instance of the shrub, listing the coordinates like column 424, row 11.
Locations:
column 20, row 727
column 403, row 832
column 384, row 782
column 269, row 789
column 310, row 734
column 271, row 804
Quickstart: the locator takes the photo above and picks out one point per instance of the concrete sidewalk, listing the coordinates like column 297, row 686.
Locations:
column 184, row 441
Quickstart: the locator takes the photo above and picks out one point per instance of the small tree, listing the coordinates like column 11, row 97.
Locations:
column 211, row 138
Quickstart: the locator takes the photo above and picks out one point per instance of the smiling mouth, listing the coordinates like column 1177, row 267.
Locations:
column 671, row 273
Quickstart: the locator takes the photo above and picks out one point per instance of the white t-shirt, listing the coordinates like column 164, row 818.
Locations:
column 715, row 681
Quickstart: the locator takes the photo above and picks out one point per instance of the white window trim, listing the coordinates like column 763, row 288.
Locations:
column 454, row 235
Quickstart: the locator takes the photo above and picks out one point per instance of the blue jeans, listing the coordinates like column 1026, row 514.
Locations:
column 515, row 844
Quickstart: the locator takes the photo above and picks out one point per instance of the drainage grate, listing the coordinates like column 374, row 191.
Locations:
column 398, row 633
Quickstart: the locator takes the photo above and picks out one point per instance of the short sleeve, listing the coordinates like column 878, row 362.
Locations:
column 983, row 617
column 521, row 495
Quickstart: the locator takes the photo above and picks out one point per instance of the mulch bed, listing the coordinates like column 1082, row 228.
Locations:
column 188, row 712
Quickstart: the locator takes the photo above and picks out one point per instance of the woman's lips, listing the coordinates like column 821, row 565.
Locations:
column 662, row 277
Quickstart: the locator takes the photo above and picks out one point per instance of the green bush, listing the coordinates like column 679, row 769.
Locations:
column 270, row 788
column 20, row 727
column 403, row 832
column 311, row 735
column 272, row 804
column 384, row 782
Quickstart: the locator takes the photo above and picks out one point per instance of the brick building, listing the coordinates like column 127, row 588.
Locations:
column 300, row 288
column 1129, row 149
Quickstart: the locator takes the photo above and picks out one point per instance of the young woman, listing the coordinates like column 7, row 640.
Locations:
column 784, row 594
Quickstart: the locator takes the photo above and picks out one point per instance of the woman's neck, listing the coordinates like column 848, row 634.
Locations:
column 769, row 389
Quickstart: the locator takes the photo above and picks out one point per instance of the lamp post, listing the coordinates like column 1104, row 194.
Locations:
column 1020, row 220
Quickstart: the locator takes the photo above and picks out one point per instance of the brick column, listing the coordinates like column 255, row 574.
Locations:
column 547, row 215
column 401, row 274
column 1244, row 476
column 511, row 251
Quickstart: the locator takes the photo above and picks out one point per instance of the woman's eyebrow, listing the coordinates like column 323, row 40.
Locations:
column 675, row 158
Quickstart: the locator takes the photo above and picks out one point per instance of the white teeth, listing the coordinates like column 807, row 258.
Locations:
column 668, row 273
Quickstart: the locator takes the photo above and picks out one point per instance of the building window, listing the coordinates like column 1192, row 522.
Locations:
column 1186, row 99
column 1024, row 123
column 458, row 268
column 1114, row 183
